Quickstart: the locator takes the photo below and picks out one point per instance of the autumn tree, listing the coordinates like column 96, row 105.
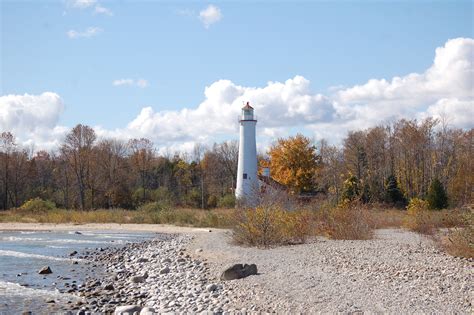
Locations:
column 7, row 147
column 294, row 163
column 141, row 157
column 77, row 148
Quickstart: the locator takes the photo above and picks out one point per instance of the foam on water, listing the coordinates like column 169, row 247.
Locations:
column 28, row 255
column 11, row 288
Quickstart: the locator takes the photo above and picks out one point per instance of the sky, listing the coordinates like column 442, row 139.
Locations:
column 178, row 72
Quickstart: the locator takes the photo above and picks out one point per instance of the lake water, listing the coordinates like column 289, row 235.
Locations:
column 23, row 253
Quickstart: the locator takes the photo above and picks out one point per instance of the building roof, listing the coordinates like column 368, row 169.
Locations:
column 247, row 106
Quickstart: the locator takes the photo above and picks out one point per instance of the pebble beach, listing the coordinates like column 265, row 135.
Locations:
column 396, row 272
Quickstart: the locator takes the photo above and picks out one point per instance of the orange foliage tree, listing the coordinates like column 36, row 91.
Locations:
column 295, row 163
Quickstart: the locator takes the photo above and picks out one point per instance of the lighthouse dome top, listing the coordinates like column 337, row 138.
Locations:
column 247, row 112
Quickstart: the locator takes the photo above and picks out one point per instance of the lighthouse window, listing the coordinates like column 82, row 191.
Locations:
column 245, row 175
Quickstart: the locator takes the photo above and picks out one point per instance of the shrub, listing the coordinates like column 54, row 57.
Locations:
column 153, row 207
column 351, row 188
column 267, row 226
column 38, row 205
column 226, row 201
column 459, row 241
column 437, row 197
column 163, row 195
column 419, row 218
column 347, row 221
column 212, row 201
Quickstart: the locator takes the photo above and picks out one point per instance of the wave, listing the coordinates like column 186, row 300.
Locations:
column 14, row 289
column 12, row 253
column 44, row 240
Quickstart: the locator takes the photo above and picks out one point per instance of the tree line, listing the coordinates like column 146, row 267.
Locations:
column 390, row 163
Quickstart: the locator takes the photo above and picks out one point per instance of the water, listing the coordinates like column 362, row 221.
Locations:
column 23, row 253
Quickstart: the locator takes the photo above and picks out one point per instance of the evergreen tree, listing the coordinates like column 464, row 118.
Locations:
column 351, row 188
column 437, row 197
column 393, row 194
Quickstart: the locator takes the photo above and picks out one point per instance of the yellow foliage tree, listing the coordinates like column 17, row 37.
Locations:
column 294, row 163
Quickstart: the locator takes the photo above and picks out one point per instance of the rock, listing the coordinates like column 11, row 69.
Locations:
column 165, row 270
column 78, row 233
column 72, row 253
column 137, row 279
column 127, row 309
column 198, row 250
column 211, row 287
column 147, row 311
column 75, row 262
column 45, row 270
column 166, row 260
column 51, row 301
column 239, row 271
column 109, row 287
column 142, row 260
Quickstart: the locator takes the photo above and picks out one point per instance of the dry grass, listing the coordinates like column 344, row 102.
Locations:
column 347, row 221
column 181, row 216
column 266, row 226
column 459, row 241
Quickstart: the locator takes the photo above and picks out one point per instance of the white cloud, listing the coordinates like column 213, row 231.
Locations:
column 89, row 32
column 141, row 83
column 210, row 15
column 82, row 4
column 33, row 118
column 444, row 90
column 102, row 10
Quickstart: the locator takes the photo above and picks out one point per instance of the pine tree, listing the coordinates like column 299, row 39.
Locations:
column 437, row 197
column 393, row 194
column 351, row 188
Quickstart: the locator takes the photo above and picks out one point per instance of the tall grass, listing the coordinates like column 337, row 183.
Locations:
column 179, row 216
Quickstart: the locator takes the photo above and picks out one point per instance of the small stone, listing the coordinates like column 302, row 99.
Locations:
column 147, row 311
column 72, row 253
column 109, row 287
column 211, row 287
column 137, row 279
column 45, row 270
column 198, row 250
column 165, row 270
column 127, row 309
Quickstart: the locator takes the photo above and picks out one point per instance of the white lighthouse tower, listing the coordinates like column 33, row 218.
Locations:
column 247, row 180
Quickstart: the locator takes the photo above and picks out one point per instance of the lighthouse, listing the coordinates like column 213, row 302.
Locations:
column 247, row 180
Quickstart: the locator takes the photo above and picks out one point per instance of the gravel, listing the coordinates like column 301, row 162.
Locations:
column 397, row 272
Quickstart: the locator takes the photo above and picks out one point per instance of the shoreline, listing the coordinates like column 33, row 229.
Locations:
column 397, row 271
column 158, row 228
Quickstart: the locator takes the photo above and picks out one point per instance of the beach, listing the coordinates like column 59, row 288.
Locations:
column 397, row 271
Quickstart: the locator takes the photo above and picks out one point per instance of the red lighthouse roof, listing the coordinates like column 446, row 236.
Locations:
column 247, row 106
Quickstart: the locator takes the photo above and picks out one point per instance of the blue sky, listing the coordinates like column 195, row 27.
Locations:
column 333, row 45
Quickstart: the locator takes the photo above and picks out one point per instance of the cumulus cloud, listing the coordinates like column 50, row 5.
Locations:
column 89, row 32
column 141, row 83
column 33, row 119
column 210, row 15
column 444, row 90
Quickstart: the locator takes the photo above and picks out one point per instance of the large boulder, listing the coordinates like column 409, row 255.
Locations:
column 239, row 271
column 45, row 270
column 127, row 309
